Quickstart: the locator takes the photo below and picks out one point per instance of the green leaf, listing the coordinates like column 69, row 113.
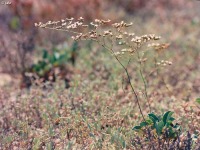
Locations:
column 42, row 64
column 153, row 117
column 149, row 121
column 143, row 124
column 198, row 100
column 52, row 59
column 159, row 127
column 171, row 132
column 167, row 116
column 137, row 128
column 45, row 54
column 171, row 119
column 36, row 68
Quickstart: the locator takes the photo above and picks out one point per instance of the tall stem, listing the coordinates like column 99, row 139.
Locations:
column 127, row 73
column 143, row 80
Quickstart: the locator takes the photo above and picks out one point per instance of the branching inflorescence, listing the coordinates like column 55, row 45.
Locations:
column 118, row 41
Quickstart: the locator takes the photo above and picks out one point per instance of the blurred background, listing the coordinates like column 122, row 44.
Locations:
column 23, row 46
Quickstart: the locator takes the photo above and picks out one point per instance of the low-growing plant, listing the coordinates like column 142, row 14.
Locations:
column 161, row 126
column 56, row 59
column 49, row 61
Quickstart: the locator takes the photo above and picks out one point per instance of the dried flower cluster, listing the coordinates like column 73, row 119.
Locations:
column 116, row 32
column 159, row 47
column 164, row 63
column 67, row 24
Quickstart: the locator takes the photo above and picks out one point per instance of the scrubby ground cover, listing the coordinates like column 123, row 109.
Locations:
column 99, row 111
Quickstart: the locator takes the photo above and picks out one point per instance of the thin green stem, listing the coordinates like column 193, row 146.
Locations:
column 127, row 73
column 143, row 80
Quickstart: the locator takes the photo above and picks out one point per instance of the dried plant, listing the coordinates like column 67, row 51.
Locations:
column 119, row 42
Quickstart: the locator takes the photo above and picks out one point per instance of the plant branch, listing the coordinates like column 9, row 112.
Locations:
column 129, row 78
column 143, row 80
